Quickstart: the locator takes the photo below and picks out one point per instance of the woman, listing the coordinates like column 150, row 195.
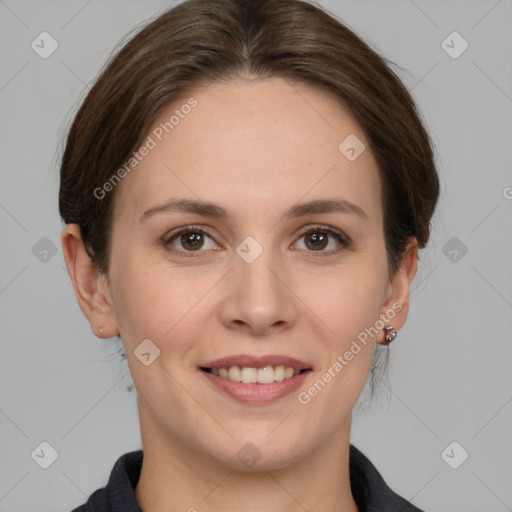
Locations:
column 245, row 189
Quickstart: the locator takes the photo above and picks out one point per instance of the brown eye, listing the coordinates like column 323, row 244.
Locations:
column 319, row 238
column 192, row 241
column 316, row 241
column 189, row 240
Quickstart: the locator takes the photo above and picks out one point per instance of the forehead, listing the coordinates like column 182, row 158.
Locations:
column 252, row 145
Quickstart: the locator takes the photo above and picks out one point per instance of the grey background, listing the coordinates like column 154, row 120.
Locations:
column 450, row 377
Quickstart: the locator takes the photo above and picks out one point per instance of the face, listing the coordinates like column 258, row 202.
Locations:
column 262, row 272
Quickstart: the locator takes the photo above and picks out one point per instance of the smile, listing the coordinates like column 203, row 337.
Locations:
column 251, row 375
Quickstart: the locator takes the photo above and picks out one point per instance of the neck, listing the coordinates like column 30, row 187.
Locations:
column 174, row 477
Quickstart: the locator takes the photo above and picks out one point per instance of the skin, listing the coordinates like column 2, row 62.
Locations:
column 257, row 148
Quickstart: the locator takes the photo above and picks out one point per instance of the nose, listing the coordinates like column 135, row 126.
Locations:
column 259, row 300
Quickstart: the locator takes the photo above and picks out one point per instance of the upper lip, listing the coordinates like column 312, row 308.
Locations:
column 256, row 362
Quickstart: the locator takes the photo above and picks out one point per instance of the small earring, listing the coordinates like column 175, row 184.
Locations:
column 101, row 330
column 390, row 332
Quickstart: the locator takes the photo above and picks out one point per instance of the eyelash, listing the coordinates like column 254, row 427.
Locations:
column 342, row 239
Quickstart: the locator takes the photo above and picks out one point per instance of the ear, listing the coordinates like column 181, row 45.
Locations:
column 91, row 287
column 396, row 305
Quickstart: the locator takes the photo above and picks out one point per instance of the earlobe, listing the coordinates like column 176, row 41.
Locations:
column 90, row 286
column 396, row 306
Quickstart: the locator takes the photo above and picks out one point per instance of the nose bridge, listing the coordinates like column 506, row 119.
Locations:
column 258, row 297
column 253, row 270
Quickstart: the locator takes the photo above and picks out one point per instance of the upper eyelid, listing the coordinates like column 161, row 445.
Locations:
column 301, row 233
column 190, row 228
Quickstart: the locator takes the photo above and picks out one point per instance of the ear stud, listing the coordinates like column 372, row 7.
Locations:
column 390, row 333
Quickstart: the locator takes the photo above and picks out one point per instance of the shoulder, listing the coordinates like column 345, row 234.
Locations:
column 118, row 494
column 370, row 491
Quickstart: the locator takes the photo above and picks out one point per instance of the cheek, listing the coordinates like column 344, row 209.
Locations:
column 153, row 298
column 346, row 301
column 139, row 296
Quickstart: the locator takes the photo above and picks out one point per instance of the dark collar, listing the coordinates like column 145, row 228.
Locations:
column 370, row 492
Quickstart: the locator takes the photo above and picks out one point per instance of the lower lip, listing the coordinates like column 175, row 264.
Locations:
column 257, row 393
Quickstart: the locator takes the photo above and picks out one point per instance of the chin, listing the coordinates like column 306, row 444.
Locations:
column 259, row 452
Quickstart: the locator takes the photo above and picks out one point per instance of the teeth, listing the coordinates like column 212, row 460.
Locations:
column 234, row 373
column 248, row 375
column 279, row 373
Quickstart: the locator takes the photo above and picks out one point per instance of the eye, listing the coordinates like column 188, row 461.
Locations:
column 318, row 238
column 190, row 239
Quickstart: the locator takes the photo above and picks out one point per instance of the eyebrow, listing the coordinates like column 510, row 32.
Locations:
column 209, row 209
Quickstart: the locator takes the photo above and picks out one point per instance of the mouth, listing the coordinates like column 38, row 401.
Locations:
column 253, row 375
column 264, row 370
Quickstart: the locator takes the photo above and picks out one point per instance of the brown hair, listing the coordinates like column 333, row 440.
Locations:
column 197, row 42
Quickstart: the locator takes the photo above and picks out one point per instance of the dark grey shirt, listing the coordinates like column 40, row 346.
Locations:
column 370, row 492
